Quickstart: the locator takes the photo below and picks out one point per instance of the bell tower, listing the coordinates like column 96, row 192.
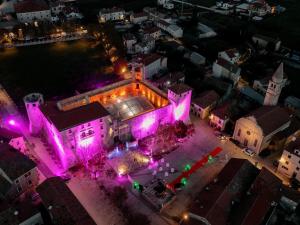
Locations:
column 275, row 86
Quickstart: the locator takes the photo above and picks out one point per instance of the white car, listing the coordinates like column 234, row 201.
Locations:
column 248, row 151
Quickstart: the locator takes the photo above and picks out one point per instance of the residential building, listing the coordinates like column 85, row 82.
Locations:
column 169, row 80
column 219, row 117
column 243, row 195
column 138, row 18
column 129, row 42
column 195, row 58
column 289, row 163
column 57, row 7
column 202, row 105
column 230, row 55
column 223, row 68
column 148, row 65
column 113, row 14
column 22, row 212
column 62, row 205
column 17, row 170
column 275, row 86
column 172, row 29
column 213, row 204
column 146, row 46
column 256, row 131
column 31, row 10
column 264, row 41
column 292, row 102
column 153, row 32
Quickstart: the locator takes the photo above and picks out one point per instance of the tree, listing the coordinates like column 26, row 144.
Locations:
column 180, row 129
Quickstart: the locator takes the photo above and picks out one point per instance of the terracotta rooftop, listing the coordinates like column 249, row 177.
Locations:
column 214, row 201
column 31, row 6
column 293, row 145
column 65, row 207
column 222, row 111
column 180, row 88
column 206, row 99
column 256, row 204
column 67, row 119
column 140, row 14
column 13, row 163
column 149, row 58
column 227, row 65
column 270, row 118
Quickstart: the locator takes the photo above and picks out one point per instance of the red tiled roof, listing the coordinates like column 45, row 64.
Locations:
column 206, row 99
column 67, row 119
column 151, row 30
column 149, row 58
column 270, row 118
column 65, row 207
column 180, row 88
column 31, row 6
column 222, row 111
column 140, row 14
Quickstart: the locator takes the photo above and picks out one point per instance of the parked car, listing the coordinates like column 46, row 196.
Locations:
column 221, row 136
column 248, row 151
column 237, row 143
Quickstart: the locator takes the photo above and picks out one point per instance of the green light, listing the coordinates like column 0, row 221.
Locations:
column 210, row 159
column 136, row 185
column 187, row 167
column 183, row 181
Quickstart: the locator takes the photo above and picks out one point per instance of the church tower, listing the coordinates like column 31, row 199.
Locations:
column 275, row 86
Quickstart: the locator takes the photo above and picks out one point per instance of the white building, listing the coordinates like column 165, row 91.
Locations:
column 57, row 7
column 153, row 32
column 202, row 105
column 112, row 14
column 231, row 55
column 32, row 10
column 264, row 41
column 129, row 41
column 148, row 65
column 146, row 46
column 219, row 117
column 257, row 129
column 223, row 68
column 138, row 18
column 17, row 170
column 289, row 163
column 172, row 29
column 275, row 86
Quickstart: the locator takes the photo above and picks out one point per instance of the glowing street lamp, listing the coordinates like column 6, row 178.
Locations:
column 12, row 122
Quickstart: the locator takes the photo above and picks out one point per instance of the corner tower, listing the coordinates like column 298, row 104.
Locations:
column 32, row 103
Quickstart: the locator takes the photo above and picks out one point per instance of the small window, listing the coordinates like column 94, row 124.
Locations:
column 284, row 167
column 101, row 127
column 297, row 168
column 30, row 182
column 17, row 181
column 70, row 131
column 19, row 189
column 255, row 143
column 102, row 136
column 248, row 132
column 287, row 162
column 101, row 120
column 89, row 124
column 239, row 132
column 289, row 156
